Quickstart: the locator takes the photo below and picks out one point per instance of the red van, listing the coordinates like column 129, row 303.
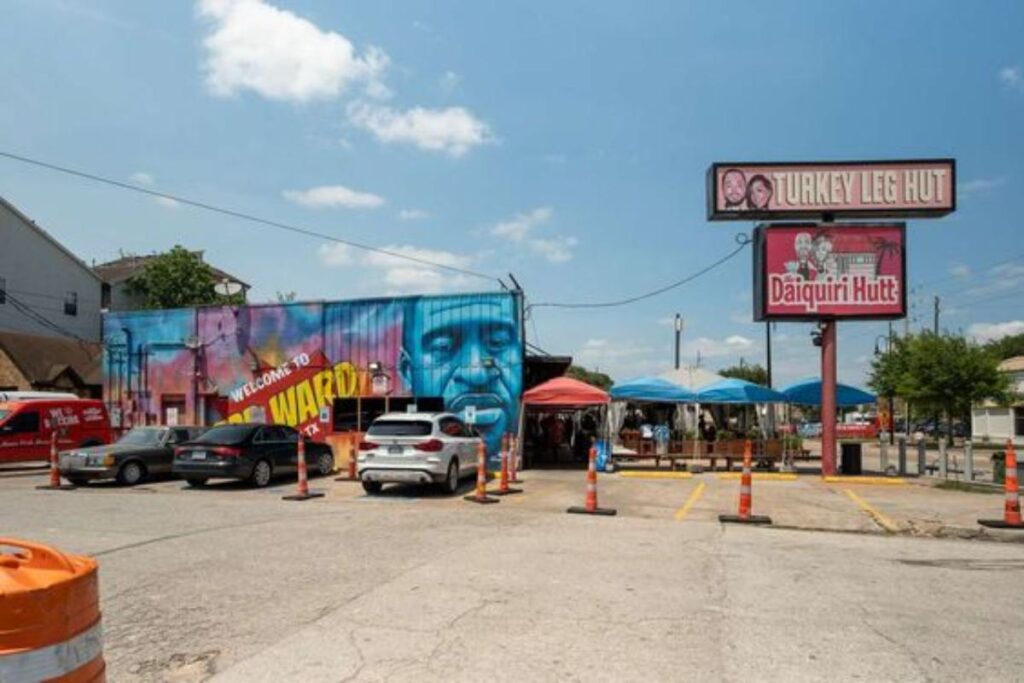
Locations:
column 26, row 426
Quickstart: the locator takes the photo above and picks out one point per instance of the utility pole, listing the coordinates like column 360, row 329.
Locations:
column 679, row 337
column 768, row 348
column 935, row 322
column 892, row 401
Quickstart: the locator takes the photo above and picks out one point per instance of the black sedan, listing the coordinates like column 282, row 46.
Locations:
column 141, row 452
column 250, row 452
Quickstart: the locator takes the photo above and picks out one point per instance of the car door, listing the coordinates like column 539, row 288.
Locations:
column 264, row 443
column 468, row 447
column 287, row 449
column 159, row 460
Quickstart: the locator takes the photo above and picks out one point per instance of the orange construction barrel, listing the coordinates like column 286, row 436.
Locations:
column 49, row 615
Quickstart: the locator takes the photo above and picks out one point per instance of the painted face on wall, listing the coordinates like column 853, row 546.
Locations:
column 466, row 350
column 734, row 187
column 822, row 250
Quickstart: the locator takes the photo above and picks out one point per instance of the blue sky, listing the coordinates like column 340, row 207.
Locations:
column 565, row 142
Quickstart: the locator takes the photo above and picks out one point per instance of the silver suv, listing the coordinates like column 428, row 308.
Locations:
column 417, row 448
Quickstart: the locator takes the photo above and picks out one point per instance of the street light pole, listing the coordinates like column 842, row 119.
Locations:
column 679, row 337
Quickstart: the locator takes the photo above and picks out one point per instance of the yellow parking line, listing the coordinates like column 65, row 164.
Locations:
column 762, row 476
column 879, row 518
column 636, row 474
column 874, row 481
column 691, row 501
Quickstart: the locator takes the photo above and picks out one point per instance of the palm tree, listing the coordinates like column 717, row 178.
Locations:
column 884, row 247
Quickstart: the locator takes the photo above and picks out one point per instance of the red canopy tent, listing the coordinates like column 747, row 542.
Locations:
column 559, row 395
column 565, row 392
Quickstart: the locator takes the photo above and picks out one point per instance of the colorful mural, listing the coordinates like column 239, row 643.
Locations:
column 284, row 362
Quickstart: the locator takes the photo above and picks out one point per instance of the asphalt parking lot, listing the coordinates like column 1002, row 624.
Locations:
column 233, row 584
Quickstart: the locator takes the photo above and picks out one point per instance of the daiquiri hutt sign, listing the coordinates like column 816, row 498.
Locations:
column 836, row 189
column 823, row 271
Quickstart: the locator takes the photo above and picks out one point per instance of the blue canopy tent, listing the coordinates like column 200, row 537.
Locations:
column 808, row 392
column 732, row 390
column 652, row 390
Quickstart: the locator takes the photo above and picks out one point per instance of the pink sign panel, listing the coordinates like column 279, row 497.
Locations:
column 745, row 191
column 811, row 272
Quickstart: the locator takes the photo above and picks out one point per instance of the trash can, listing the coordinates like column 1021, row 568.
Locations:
column 851, row 459
column 999, row 467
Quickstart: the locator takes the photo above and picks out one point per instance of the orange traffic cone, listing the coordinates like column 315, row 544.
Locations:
column 303, row 492
column 1011, row 508
column 55, row 484
column 480, row 494
column 746, row 495
column 590, row 507
column 513, row 460
column 350, row 475
column 503, row 488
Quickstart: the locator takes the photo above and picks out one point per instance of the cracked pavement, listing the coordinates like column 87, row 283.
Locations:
column 231, row 584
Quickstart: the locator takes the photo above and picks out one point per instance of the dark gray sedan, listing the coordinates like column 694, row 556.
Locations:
column 141, row 452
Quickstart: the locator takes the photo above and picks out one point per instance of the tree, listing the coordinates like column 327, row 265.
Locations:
column 286, row 297
column 177, row 279
column 1007, row 347
column 751, row 373
column 597, row 379
column 940, row 374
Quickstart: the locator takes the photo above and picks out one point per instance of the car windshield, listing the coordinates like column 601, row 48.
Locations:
column 142, row 436
column 227, row 435
column 4, row 414
column 400, row 428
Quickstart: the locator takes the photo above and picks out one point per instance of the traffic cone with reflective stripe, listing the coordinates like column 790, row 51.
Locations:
column 590, row 507
column 746, row 495
column 1011, row 508
column 55, row 484
column 513, row 460
column 503, row 488
column 303, row 492
column 353, row 453
column 480, row 494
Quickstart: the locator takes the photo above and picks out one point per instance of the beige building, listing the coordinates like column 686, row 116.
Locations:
column 998, row 423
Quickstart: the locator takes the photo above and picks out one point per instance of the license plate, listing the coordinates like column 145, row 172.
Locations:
column 199, row 455
column 396, row 450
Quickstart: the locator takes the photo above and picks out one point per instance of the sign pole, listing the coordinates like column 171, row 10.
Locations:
column 828, row 398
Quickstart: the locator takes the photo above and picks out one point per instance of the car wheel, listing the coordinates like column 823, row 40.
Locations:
column 372, row 487
column 196, row 482
column 131, row 473
column 261, row 474
column 451, row 482
column 325, row 464
column 77, row 481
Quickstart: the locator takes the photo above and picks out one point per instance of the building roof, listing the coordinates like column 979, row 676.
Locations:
column 42, row 359
column 119, row 270
column 47, row 236
column 1015, row 364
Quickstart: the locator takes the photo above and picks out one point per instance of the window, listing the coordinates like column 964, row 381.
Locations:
column 22, row 423
column 71, row 303
column 1018, row 421
column 3, row 290
column 401, row 428
column 452, row 427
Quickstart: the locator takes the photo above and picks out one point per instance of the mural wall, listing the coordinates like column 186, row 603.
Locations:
column 283, row 363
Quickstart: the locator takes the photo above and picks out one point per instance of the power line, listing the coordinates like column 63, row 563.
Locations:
column 244, row 216
column 41, row 319
column 742, row 240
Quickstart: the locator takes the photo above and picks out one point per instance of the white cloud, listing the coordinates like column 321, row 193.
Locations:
column 333, row 196
column 401, row 275
column 412, row 214
column 554, row 249
column 960, row 271
column 1012, row 77
column 168, row 203
column 620, row 359
column 970, row 188
column 985, row 332
column 519, row 229
column 142, row 178
column 253, row 45
column 335, row 254
column 450, row 82
column 732, row 345
column 1002, row 278
column 452, row 131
